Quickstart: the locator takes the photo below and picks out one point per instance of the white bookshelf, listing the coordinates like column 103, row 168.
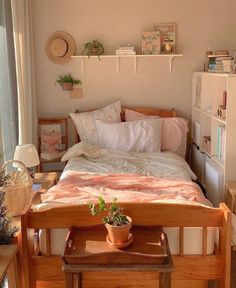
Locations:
column 135, row 58
column 207, row 95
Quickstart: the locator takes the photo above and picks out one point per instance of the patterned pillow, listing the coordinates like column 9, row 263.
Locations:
column 85, row 121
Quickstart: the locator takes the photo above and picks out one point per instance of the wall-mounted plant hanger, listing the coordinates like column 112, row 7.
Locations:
column 67, row 82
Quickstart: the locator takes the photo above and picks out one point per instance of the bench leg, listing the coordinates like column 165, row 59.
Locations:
column 69, row 280
column 165, row 280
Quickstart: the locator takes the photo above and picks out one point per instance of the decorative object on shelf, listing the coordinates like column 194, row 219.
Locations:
column 118, row 225
column 206, row 144
column 219, row 61
column 221, row 112
column 168, row 37
column 17, row 189
column 151, row 42
column 67, row 82
column 28, row 155
column 126, row 50
column 93, row 48
column 60, row 46
column 51, row 146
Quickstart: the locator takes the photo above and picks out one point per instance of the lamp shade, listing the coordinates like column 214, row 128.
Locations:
column 27, row 154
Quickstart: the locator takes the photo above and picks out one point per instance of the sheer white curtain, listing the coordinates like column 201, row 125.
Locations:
column 23, row 43
column 8, row 91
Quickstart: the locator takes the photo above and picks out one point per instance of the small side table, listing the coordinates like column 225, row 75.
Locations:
column 46, row 180
column 87, row 250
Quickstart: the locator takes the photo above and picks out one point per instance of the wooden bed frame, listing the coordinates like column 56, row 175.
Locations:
column 190, row 270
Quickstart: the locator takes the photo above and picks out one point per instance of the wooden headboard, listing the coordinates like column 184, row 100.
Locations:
column 146, row 111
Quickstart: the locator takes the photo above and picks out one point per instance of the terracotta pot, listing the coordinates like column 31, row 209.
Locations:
column 119, row 234
column 67, row 86
column 94, row 51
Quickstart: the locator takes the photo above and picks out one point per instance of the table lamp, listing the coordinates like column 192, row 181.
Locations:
column 28, row 155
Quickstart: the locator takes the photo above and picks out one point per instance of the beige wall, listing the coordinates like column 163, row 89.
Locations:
column 201, row 24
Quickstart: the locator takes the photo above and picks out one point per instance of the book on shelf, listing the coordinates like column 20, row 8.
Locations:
column 220, row 149
column 52, row 156
column 219, row 61
column 126, row 50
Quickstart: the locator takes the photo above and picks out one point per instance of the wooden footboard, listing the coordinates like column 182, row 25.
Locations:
column 190, row 270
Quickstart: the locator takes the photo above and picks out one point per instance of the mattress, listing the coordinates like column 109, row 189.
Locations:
column 192, row 240
column 160, row 165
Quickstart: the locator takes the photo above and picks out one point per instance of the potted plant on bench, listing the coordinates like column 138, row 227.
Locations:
column 67, row 82
column 118, row 225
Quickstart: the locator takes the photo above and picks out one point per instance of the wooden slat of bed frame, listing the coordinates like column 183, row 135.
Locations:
column 142, row 214
column 145, row 280
column 186, row 268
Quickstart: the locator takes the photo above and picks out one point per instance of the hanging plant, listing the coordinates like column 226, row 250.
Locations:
column 67, row 82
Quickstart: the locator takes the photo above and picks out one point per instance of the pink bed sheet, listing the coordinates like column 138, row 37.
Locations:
column 81, row 188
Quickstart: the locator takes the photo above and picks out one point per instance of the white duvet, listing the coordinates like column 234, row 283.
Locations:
column 90, row 158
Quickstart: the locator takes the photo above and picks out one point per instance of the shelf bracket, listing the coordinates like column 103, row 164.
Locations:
column 82, row 65
column 171, row 63
column 135, row 64
column 117, row 65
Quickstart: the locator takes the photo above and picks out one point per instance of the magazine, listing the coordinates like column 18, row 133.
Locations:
column 168, row 37
column 151, row 42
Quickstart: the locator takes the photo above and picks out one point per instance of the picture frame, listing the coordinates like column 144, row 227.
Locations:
column 168, row 37
column 50, row 135
column 151, row 42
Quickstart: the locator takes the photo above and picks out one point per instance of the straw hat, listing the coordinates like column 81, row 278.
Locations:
column 60, row 46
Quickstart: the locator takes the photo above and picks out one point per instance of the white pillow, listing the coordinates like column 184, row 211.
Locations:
column 174, row 131
column 85, row 121
column 135, row 136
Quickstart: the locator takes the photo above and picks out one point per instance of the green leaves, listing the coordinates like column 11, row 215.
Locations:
column 67, row 78
column 93, row 47
column 114, row 216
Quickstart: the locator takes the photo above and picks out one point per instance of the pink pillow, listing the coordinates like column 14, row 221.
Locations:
column 173, row 132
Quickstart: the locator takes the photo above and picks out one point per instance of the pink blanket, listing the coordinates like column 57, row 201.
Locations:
column 81, row 188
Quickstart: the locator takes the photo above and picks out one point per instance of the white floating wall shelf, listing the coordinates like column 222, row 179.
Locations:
column 135, row 57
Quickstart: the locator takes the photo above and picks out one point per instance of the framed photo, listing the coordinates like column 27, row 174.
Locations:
column 168, row 37
column 50, row 135
column 151, row 42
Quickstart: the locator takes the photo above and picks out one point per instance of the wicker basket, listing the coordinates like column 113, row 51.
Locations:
column 18, row 190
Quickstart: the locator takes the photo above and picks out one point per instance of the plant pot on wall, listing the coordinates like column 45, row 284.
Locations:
column 67, row 86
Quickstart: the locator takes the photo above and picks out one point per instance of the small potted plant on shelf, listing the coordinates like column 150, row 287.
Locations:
column 93, row 48
column 67, row 82
column 118, row 225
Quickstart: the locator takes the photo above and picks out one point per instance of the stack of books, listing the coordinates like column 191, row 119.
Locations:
column 126, row 50
column 219, row 61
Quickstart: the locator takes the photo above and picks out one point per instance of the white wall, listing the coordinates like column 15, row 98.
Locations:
column 201, row 24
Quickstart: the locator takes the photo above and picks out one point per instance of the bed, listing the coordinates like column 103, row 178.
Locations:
column 193, row 268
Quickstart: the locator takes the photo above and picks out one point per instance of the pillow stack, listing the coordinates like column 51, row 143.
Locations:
column 140, row 133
